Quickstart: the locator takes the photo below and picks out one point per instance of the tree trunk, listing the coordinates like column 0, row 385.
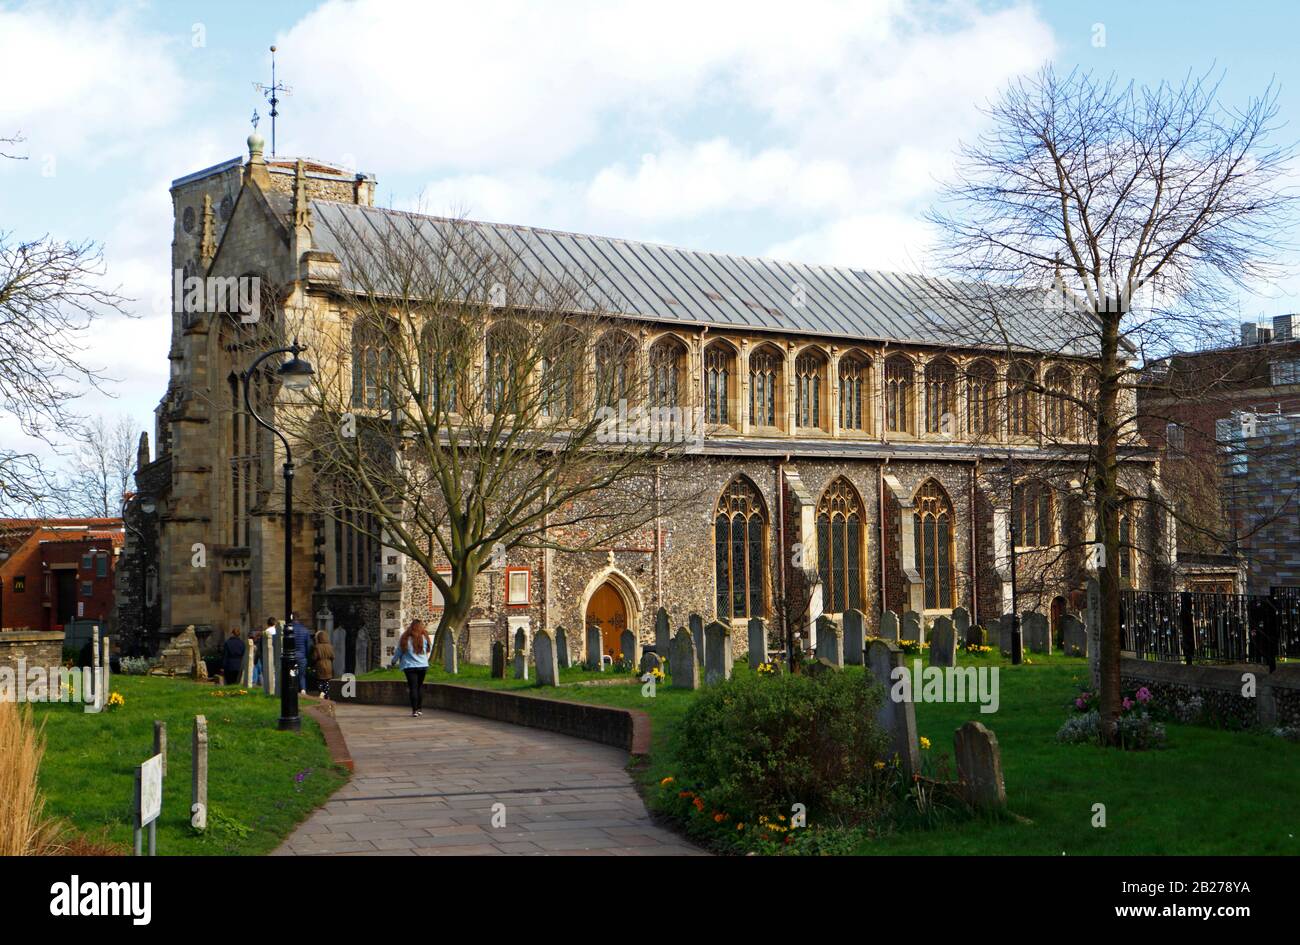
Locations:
column 455, row 611
column 1106, row 494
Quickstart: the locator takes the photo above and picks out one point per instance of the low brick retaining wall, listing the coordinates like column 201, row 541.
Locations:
column 1277, row 694
column 623, row 728
column 37, row 647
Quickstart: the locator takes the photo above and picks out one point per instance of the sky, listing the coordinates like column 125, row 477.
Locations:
column 818, row 131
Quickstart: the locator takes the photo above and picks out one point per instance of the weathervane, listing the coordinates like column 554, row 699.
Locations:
column 272, row 93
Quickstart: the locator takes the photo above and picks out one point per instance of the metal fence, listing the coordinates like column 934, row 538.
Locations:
column 1210, row 628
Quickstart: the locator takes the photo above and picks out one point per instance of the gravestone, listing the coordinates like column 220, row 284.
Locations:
column 830, row 641
column 339, row 640
column 362, row 657
column 199, row 780
column 757, row 642
column 498, row 660
column 855, row 636
column 269, row 669
column 594, row 662
column 663, row 635
column 562, row 648
column 630, row 644
column 160, row 742
column 898, row 719
column 1006, row 629
column 250, row 663
column 961, row 625
column 1037, row 635
column 521, row 654
column 686, row 668
column 696, row 623
column 979, row 766
column 819, row 667
column 717, row 653
column 649, row 661
column 889, row 626
column 1074, row 638
column 548, row 665
column 181, row 656
column 106, row 670
column 450, row 658
column 478, row 647
column 912, row 627
column 943, row 642
column 976, row 636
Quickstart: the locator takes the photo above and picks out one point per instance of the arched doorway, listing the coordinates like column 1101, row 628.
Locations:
column 607, row 611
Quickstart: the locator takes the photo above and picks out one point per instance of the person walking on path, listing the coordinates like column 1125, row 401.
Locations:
column 232, row 656
column 322, row 662
column 413, row 649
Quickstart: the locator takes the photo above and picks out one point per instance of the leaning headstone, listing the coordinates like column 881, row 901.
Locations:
column 362, row 652
column 562, row 648
column 594, row 662
column 696, row 623
column 717, row 653
column 913, row 629
column 855, row 636
column 830, row 641
column 450, row 658
column 889, row 626
column 521, row 654
column 979, row 766
column 943, row 642
column 630, row 644
column 898, row 719
column 650, row 661
column 1037, row 635
column 1074, row 638
column 757, row 642
column 548, row 664
column 663, row 635
column 199, row 781
column 961, row 625
column 685, row 666
column 160, row 742
column 270, row 670
column 498, row 660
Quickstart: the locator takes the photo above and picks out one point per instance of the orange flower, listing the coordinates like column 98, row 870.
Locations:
column 699, row 804
column 719, row 818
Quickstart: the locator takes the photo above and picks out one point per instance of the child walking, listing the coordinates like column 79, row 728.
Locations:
column 413, row 649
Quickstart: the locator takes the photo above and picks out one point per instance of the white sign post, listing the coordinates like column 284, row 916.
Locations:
column 148, row 802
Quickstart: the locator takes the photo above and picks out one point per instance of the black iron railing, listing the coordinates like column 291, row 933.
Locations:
column 1210, row 628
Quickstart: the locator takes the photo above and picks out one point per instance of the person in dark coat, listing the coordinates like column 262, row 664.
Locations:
column 232, row 656
column 301, row 651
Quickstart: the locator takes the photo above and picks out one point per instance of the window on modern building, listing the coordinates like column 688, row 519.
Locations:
column 369, row 365
column 1058, row 405
column 941, row 397
column 1032, row 515
column 810, row 382
column 898, row 394
column 87, row 562
column 853, row 394
column 615, row 368
column 982, row 399
column 1022, row 403
column 101, row 565
column 719, row 373
column 667, row 369
column 87, row 588
column 765, row 401
column 740, row 543
column 1285, row 372
column 932, row 518
column 839, row 546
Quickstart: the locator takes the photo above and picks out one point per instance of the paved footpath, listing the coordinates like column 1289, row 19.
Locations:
column 427, row 786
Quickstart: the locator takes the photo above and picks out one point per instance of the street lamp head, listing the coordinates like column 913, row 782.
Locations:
column 296, row 373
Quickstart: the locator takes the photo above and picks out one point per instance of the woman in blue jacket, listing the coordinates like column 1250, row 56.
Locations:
column 413, row 650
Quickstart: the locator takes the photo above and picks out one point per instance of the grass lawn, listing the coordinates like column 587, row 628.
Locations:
column 1208, row 792
column 261, row 782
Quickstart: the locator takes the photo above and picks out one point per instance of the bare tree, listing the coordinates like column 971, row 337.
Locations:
column 101, row 467
column 1141, row 211
column 467, row 406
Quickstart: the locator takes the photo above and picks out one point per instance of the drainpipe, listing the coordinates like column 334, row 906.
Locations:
column 880, row 522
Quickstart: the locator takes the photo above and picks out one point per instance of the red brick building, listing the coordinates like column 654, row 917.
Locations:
column 53, row 571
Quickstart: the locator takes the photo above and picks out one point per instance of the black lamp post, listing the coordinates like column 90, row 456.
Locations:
column 295, row 374
column 1017, row 637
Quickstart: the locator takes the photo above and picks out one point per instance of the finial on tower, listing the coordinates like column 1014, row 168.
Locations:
column 272, row 93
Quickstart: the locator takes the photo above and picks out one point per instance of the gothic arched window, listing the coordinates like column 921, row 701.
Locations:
column 562, row 362
column 1022, row 403
column 839, row 546
column 941, row 397
column 765, row 402
column 502, row 365
column 809, row 391
column 1032, row 515
column 853, row 393
column 898, row 394
column 667, row 365
column 615, row 368
column 1060, row 410
column 369, row 365
column 981, row 399
column 719, row 375
column 740, row 542
column 932, row 518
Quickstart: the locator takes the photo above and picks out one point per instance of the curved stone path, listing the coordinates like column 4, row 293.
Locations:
column 427, row 786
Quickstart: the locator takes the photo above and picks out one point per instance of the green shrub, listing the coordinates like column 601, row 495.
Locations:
column 759, row 744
